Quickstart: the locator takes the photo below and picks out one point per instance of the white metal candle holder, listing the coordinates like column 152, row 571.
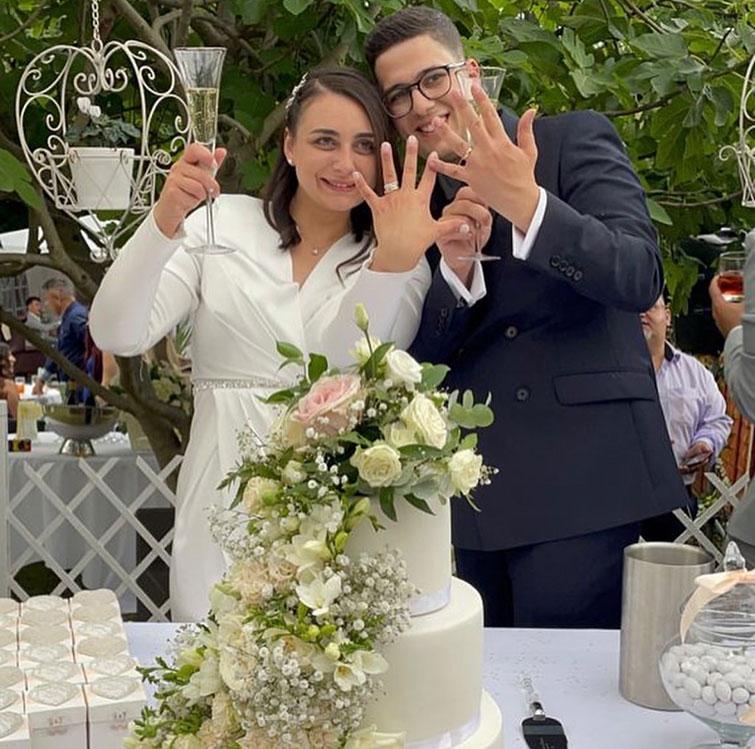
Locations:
column 109, row 187
column 744, row 151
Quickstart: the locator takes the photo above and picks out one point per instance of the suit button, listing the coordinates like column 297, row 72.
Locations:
column 563, row 265
column 523, row 394
column 511, row 332
column 555, row 260
column 577, row 275
column 569, row 271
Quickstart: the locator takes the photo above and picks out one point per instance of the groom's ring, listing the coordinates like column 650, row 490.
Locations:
column 390, row 187
column 466, row 154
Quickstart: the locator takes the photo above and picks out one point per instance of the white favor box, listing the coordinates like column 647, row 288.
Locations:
column 36, row 655
column 96, row 613
column 12, row 677
column 101, row 596
column 8, row 638
column 45, row 603
column 103, row 668
column 42, row 618
column 19, row 739
column 109, row 718
column 57, row 724
column 34, row 636
column 95, row 648
column 8, row 658
column 73, row 673
column 8, row 607
column 83, row 630
column 11, row 701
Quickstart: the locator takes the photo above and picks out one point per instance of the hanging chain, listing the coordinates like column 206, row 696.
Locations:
column 96, row 42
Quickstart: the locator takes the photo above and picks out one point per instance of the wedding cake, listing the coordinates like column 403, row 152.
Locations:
column 337, row 624
column 432, row 691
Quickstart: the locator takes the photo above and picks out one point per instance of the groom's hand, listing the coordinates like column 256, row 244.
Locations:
column 500, row 171
column 456, row 248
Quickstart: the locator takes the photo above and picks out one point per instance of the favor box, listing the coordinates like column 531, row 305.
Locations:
column 45, row 603
column 103, row 668
column 35, row 655
column 14, row 731
column 12, row 677
column 44, row 673
column 8, row 607
column 112, row 704
column 96, row 648
column 57, row 716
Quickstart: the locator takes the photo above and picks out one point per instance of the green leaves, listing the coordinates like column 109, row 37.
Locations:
column 14, row 178
column 433, row 375
column 661, row 45
column 468, row 414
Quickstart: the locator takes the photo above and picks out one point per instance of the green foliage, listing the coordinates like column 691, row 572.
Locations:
column 668, row 75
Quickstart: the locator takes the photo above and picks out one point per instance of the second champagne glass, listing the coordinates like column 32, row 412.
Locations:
column 490, row 80
column 200, row 69
column 731, row 275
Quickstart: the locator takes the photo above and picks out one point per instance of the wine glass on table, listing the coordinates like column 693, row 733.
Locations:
column 200, row 69
column 490, row 79
column 731, row 275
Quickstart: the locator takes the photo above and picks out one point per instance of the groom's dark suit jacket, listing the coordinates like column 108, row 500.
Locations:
column 579, row 437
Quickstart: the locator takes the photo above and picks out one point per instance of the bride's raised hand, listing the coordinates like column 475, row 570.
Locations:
column 189, row 182
column 404, row 226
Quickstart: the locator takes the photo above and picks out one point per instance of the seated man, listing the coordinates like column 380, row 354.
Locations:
column 8, row 390
column 694, row 410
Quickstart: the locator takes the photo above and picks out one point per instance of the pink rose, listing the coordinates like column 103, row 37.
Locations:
column 327, row 406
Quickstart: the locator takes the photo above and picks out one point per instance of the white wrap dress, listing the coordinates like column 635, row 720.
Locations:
column 239, row 304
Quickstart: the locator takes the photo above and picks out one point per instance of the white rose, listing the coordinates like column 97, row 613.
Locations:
column 378, row 465
column 402, row 368
column 256, row 488
column 294, row 472
column 464, row 467
column 398, row 434
column 423, row 417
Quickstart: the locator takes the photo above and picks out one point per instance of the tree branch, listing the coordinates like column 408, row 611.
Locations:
column 226, row 119
column 76, row 374
column 172, row 15
column 701, row 203
column 25, row 25
column 184, row 24
column 635, row 11
column 141, row 26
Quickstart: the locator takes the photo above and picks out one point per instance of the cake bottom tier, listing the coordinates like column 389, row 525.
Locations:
column 489, row 733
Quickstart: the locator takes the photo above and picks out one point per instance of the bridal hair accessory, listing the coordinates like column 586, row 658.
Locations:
column 298, row 87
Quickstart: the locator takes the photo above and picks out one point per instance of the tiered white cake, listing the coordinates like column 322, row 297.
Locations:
column 433, row 688
column 66, row 678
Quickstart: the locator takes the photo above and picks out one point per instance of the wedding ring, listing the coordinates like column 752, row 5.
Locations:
column 467, row 153
column 390, row 187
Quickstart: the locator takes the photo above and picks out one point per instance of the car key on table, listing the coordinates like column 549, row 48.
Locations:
column 540, row 731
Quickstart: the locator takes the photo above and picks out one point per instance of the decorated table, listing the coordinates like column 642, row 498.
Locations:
column 41, row 482
column 575, row 673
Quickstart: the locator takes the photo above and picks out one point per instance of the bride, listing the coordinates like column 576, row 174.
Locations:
column 320, row 241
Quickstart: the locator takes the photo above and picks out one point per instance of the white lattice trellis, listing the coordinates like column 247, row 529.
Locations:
column 155, row 491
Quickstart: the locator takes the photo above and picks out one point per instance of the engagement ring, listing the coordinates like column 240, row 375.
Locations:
column 390, row 187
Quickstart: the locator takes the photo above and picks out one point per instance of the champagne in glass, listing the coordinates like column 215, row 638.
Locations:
column 731, row 275
column 200, row 69
column 490, row 80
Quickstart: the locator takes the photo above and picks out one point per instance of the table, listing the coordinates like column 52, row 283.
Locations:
column 115, row 464
column 575, row 673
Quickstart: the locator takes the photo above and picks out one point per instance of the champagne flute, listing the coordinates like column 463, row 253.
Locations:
column 200, row 69
column 490, row 80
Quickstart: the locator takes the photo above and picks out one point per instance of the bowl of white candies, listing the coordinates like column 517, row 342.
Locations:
column 710, row 673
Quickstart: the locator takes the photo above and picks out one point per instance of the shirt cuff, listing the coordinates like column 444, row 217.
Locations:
column 521, row 244
column 476, row 290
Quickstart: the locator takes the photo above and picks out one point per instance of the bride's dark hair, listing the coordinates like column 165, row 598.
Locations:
column 281, row 186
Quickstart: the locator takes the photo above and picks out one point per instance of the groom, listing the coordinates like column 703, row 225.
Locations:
column 551, row 330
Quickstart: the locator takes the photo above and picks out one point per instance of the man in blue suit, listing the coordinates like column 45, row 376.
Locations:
column 551, row 330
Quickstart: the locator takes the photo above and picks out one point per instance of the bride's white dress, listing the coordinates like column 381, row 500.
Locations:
column 239, row 304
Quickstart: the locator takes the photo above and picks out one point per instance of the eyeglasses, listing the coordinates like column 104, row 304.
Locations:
column 433, row 83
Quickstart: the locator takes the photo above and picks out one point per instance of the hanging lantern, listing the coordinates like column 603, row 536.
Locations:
column 745, row 148
column 99, row 126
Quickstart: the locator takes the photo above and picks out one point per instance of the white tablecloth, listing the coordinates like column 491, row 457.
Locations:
column 575, row 673
column 64, row 477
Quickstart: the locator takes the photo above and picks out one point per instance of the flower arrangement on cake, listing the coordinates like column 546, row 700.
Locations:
column 291, row 651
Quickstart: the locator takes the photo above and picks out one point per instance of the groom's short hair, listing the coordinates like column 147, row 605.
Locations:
column 409, row 23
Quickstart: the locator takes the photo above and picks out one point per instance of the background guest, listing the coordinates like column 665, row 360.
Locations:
column 694, row 409
column 34, row 318
column 8, row 391
column 736, row 321
column 71, row 339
